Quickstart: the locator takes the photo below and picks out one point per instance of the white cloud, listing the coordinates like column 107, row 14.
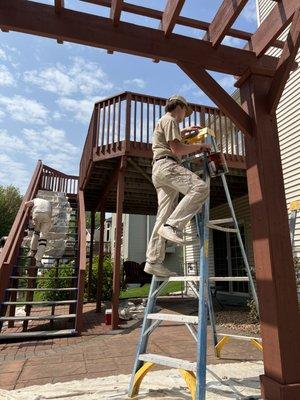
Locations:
column 6, row 78
column 233, row 42
column 138, row 82
column 3, row 55
column 13, row 171
column 49, row 144
column 81, row 109
column 23, row 109
column 81, row 76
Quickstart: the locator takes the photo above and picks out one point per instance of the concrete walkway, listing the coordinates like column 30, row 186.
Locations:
column 98, row 353
column 224, row 381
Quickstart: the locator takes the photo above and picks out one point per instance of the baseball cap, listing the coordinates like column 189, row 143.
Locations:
column 189, row 109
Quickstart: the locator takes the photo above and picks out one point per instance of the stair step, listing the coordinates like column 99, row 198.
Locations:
column 37, row 317
column 44, row 267
column 169, row 361
column 43, row 277
column 63, row 332
column 188, row 319
column 38, row 303
column 41, row 289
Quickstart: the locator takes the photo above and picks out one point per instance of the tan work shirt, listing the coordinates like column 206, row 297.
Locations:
column 166, row 130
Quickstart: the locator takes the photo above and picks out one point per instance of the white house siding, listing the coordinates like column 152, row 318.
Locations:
column 242, row 212
column 288, row 117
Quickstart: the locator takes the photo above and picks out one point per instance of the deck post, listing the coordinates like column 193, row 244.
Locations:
column 100, row 262
column 90, row 273
column 275, row 274
column 118, row 243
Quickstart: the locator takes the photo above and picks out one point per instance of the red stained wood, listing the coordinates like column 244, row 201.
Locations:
column 39, row 19
column 170, row 15
column 59, row 5
column 115, row 11
column 91, row 255
column 275, row 274
column 226, row 103
column 223, row 20
column 285, row 63
column 101, row 259
column 118, row 242
column 275, row 23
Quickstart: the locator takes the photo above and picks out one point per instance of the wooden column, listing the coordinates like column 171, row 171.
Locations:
column 117, row 255
column 275, row 274
column 90, row 273
column 100, row 263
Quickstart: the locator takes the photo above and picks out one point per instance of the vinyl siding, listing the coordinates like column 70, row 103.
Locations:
column 288, row 117
column 242, row 212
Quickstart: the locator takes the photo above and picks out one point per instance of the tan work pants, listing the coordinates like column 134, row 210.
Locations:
column 170, row 179
column 42, row 224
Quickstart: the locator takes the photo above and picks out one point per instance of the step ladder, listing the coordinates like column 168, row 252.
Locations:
column 194, row 373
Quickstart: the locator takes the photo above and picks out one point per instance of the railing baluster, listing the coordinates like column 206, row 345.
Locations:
column 148, row 133
column 134, row 121
column 221, row 130
column 103, row 127
column 141, row 123
column 119, row 120
column 114, row 123
column 108, row 126
column 154, row 115
column 226, row 134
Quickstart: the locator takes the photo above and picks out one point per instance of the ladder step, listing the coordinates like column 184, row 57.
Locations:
column 194, row 278
column 37, row 317
column 38, row 303
column 20, row 335
column 169, row 361
column 188, row 319
column 221, row 228
column 229, row 279
column 41, row 289
column 221, row 221
column 239, row 337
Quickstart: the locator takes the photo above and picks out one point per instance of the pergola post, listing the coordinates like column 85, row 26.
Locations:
column 100, row 262
column 90, row 273
column 275, row 274
column 118, row 243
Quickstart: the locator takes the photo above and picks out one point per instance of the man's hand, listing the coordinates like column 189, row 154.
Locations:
column 204, row 148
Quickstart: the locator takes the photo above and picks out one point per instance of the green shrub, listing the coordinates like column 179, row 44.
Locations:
column 50, row 282
column 107, row 279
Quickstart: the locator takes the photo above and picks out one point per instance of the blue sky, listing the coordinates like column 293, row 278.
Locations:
column 47, row 90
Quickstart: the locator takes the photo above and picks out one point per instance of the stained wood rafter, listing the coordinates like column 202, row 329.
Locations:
column 226, row 15
column 115, row 11
column 274, row 24
column 285, row 64
column 59, row 5
column 170, row 15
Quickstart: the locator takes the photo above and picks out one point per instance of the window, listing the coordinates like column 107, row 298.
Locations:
column 229, row 261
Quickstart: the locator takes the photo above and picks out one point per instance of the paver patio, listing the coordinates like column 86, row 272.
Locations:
column 99, row 353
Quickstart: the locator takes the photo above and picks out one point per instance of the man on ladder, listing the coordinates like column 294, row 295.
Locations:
column 170, row 178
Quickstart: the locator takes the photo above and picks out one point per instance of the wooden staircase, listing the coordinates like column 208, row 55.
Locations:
column 44, row 301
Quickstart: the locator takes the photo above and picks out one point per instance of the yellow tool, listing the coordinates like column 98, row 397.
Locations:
column 199, row 136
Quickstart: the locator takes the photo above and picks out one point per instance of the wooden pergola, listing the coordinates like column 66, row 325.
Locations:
column 261, row 79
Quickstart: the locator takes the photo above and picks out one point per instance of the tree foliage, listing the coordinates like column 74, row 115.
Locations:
column 10, row 201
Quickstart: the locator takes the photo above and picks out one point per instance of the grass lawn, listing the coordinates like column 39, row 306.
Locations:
column 144, row 290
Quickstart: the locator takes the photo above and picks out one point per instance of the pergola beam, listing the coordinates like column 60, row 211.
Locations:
column 77, row 27
column 275, row 23
column 285, row 63
column 223, row 20
column 223, row 100
column 170, row 15
column 115, row 11
column 181, row 20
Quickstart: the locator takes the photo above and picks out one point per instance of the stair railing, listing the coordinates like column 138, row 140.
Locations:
column 10, row 251
column 82, row 261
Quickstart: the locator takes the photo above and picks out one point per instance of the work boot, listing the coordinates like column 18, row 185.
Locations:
column 175, row 235
column 158, row 270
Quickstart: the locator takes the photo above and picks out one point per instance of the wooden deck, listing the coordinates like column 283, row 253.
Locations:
column 121, row 129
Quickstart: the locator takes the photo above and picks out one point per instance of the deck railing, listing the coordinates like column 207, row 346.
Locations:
column 129, row 119
column 56, row 181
